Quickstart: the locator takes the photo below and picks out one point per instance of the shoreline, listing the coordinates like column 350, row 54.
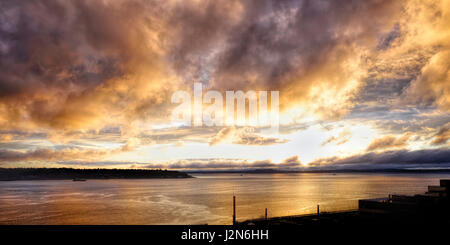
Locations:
column 18, row 174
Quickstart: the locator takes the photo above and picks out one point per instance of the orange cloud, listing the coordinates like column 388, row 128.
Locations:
column 388, row 142
column 442, row 136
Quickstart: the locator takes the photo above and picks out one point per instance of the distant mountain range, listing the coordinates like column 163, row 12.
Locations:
column 387, row 170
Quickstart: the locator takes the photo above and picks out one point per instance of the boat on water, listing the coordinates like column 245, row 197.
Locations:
column 78, row 179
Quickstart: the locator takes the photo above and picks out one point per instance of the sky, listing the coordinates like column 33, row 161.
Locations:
column 88, row 84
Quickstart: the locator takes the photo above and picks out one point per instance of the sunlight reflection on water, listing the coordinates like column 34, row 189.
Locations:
column 206, row 199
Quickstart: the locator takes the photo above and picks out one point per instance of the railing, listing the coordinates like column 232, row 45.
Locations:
column 301, row 215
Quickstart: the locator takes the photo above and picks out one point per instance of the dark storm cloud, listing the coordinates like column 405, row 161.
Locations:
column 291, row 46
column 44, row 48
column 56, row 55
column 60, row 59
column 389, row 38
column 431, row 156
column 276, row 37
column 381, row 90
column 68, row 63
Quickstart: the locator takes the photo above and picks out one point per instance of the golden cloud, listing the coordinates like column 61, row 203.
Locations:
column 389, row 141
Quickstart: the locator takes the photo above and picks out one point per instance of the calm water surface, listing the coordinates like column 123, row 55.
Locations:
column 205, row 199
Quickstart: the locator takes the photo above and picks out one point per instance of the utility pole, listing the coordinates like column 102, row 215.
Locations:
column 266, row 214
column 234, row 210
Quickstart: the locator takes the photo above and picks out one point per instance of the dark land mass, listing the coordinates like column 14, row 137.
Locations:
column 9, row 174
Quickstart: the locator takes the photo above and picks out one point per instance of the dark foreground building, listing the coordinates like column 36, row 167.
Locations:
column 432, row 204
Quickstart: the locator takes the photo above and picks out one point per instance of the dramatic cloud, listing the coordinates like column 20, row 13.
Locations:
column 311, row 51
column 442, row 136
column 389, row 141
column 88, row 80
column 77, row 64
column 432, row 85
column 402, row 157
